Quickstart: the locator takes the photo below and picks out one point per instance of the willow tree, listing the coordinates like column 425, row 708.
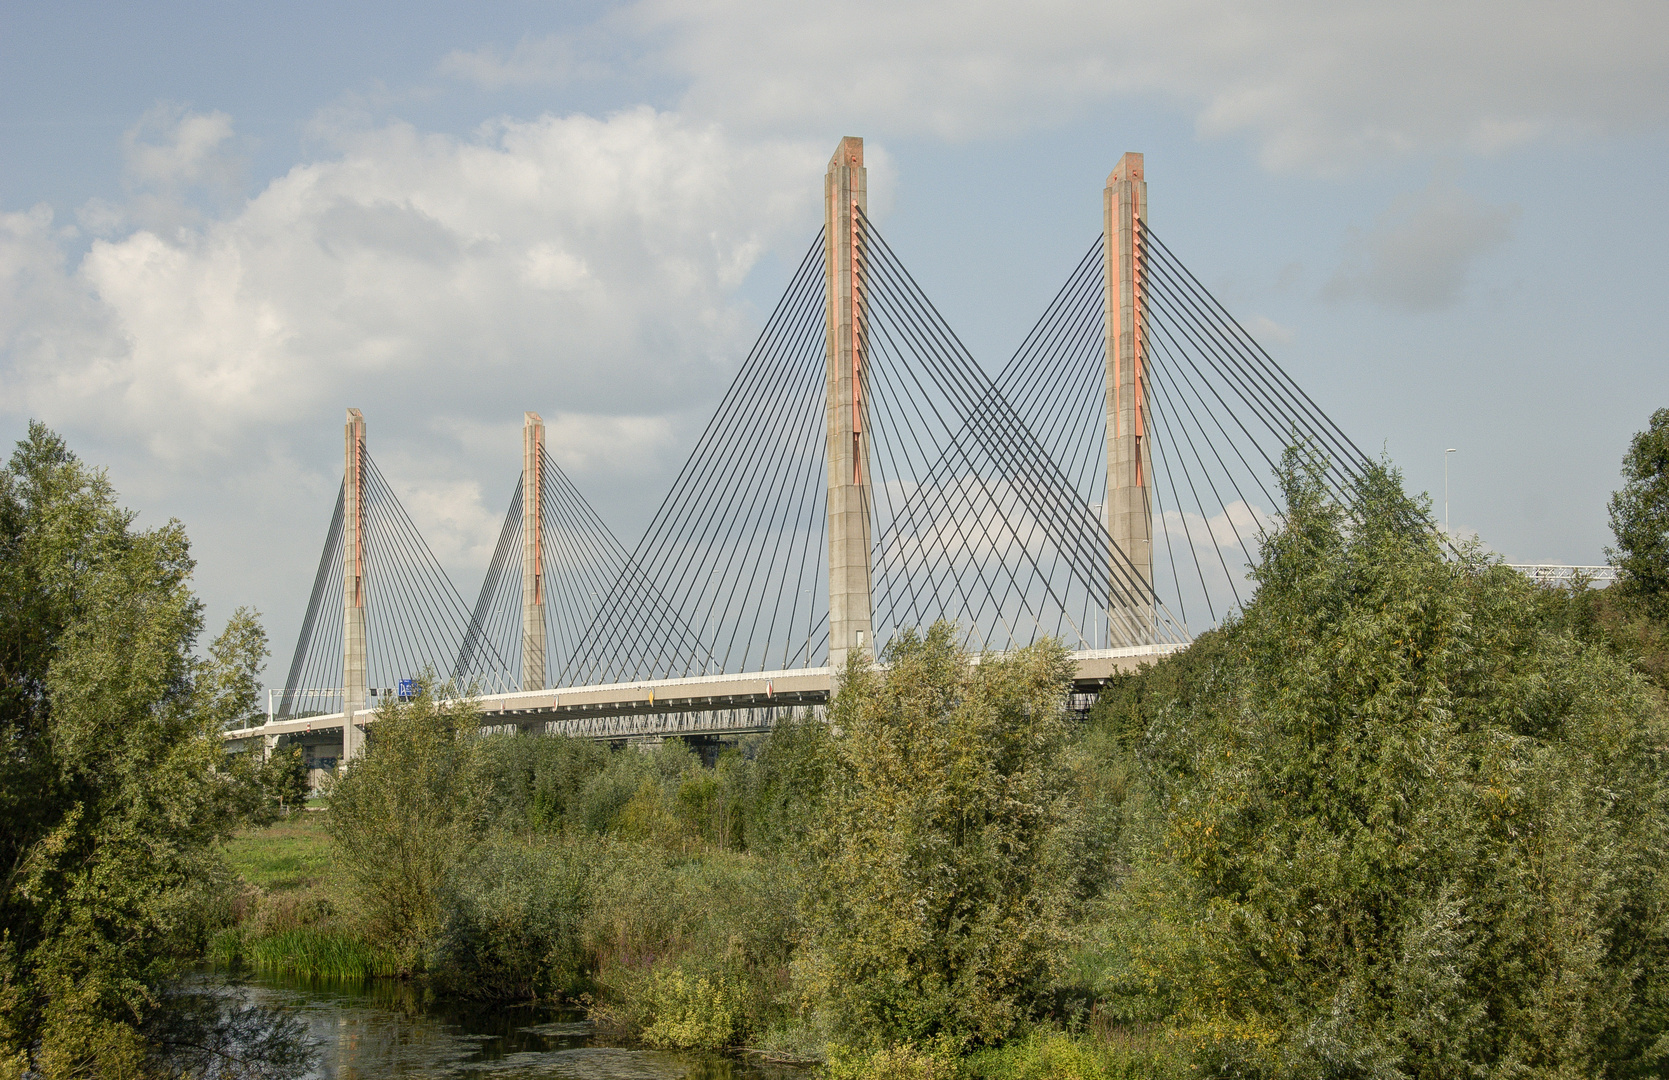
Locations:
column 942, row 869
column 1640, row 518
column 1406, row 827
column 113, row 785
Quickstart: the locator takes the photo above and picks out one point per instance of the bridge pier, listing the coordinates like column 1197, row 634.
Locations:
column 1129, row 510
column 846, row 199
column 533, row 566
column 354, row 671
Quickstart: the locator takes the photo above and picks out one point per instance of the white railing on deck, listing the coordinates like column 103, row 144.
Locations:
column 1556, row 574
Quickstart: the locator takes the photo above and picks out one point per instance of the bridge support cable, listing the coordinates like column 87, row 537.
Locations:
column 417, row 620
column 731, row 556
column 581, row 565
column 997, row 425
column 1220, row 415
column 312, row 686
column 410, row 616
column 705, row 546
column 494, row 609
column 585, row 563
column 1170, row 273
column 977, row 523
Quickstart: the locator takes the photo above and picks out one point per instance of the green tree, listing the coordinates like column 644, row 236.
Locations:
column 284, row 779
column 942, row 867
column 1407, row 827
column 403, row 815
column 535, row 783
column 1640, row 518
column 113, row 786
column 789, row 779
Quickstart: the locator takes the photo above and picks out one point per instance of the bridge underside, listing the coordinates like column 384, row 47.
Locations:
column 662, row 708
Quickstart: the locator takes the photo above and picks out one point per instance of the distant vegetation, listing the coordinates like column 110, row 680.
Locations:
column 1406, row 815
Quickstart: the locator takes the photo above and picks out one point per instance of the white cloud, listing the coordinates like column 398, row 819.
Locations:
column 51, row 328
column 1238, row 527
column 447, row 276
column 1263, row 328
column 1419, row 254
column 584, row 267
column 170, row 147
column 1317, row 84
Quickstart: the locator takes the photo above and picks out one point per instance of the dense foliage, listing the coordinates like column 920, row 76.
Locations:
column 113, row 789
column 1404, row 824
column 940, row 874
column 1405, row 815
column 404, row 814
column 1640, row 518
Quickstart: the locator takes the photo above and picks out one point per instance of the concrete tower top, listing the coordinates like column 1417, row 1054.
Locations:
column 848, row 153
column 1129, row 167
column 532, row 418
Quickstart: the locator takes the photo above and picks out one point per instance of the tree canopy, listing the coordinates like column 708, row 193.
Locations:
column 113, row 785
column 1640, row 518
column 941, row 867
column 1404, row 825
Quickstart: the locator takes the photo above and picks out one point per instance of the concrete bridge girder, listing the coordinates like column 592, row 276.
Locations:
column 708, row 704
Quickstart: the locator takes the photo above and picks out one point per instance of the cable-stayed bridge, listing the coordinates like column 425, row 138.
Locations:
column 862, row 475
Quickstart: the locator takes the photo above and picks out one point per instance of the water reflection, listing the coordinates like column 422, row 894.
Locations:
column 387, row 1029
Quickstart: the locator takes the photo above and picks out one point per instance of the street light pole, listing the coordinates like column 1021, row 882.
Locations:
column 1446, row 454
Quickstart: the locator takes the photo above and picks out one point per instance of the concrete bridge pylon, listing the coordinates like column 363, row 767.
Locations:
column 1131, row 618
column 354, row 671
column 851, row 604
column 533, row 548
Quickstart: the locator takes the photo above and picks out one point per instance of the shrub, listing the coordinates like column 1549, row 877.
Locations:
column 1405, row 827
column 692, row 1011
column 942, row 870
column 786, row 789
column 897, row 1061
column 728, row 919
column 1051, row 1054
column 514, row 916
column 403, row 814
column 536, row 782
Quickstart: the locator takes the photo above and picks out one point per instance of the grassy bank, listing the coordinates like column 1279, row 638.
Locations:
column 293, row 914
column 289, row 855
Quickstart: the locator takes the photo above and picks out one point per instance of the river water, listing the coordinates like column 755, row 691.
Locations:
column 368, row 1031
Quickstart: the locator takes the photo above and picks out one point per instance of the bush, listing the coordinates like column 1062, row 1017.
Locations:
column 536, row 782
column 1405, row 827
column 1050, row 1054
column 786, row 789
column 943, row 863
column 693, row 1011
column 514, row 918
column 726, row 921
column 403, row 815
column 896, row 1061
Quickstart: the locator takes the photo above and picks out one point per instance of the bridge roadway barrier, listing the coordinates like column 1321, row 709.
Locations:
column 660, row 708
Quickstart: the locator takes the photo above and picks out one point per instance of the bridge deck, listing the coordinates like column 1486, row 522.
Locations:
column 702, row 704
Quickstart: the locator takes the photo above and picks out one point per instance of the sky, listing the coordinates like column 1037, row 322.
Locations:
column 222, row 225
